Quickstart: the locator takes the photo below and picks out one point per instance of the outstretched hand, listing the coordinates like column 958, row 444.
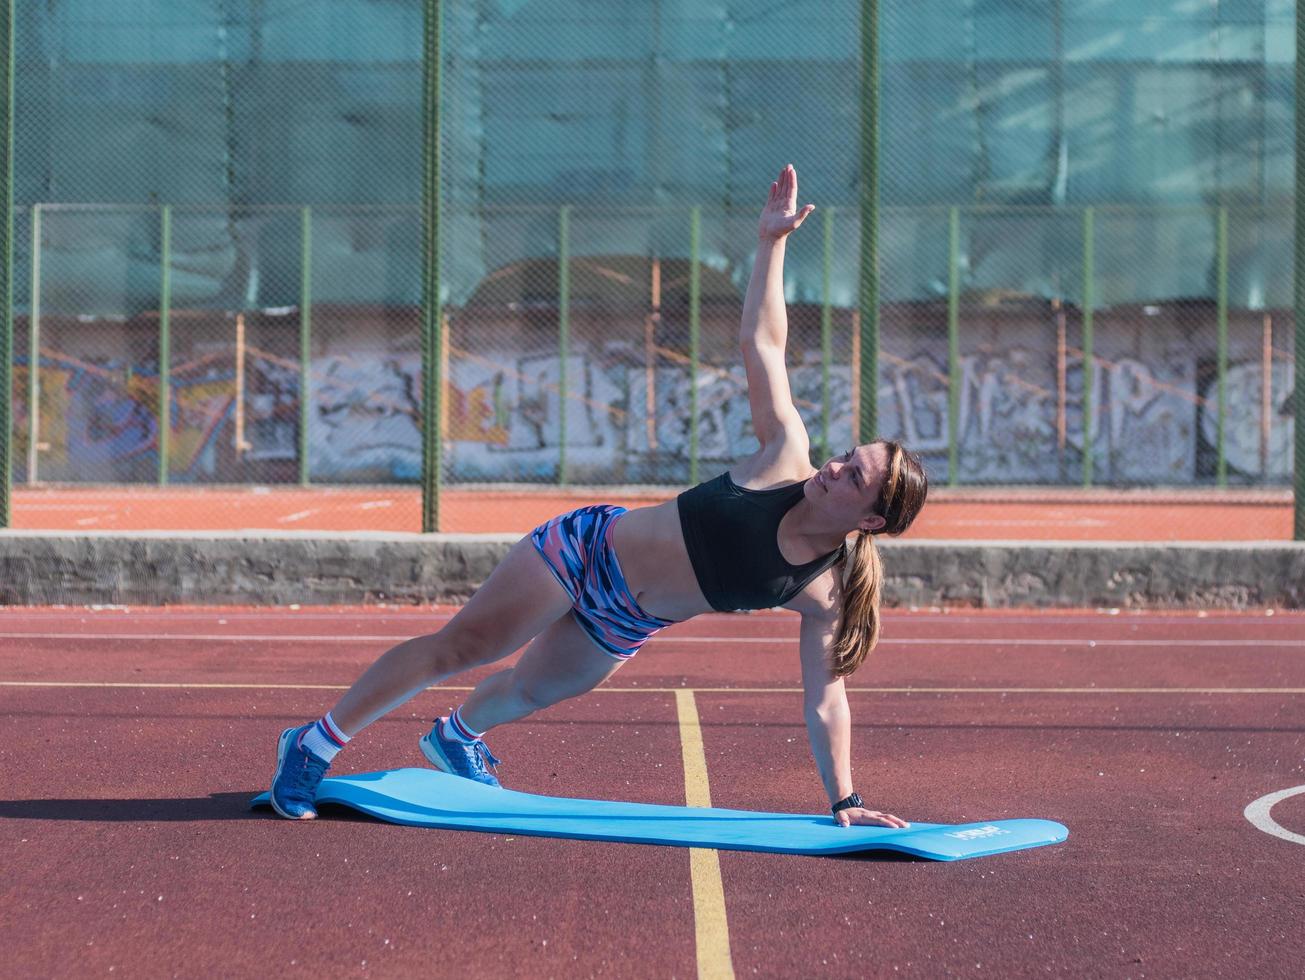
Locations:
column 781, row 216
column 860, row 817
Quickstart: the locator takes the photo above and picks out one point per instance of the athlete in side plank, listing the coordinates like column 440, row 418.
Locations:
column 587, row 589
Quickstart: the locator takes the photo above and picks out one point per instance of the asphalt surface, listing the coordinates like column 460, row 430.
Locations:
column 129, row 844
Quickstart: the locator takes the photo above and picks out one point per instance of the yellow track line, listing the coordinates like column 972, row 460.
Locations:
column 710, row 923
column 699, row 690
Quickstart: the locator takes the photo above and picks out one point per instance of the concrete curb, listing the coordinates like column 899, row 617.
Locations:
column 278, row 568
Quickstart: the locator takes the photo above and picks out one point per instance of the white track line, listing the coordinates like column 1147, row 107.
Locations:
column 711, row 621
column 37, row 505
column 935, row 641
column 651, row 689
column 302, row 613
column 1257, row 812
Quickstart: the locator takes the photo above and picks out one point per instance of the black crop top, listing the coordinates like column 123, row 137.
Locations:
column 731, row 534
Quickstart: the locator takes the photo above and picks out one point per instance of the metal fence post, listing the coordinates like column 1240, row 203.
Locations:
column 7, row 24
column 165, row 343
column 1089, row 410
column 432, row 323
column 953, row 346
column 1221, row 317
column 563, row 331
column 695, row 329
column 868, row 380
column 826, row 333
column 305, row 340
column 1298, row 396
column 34, row 355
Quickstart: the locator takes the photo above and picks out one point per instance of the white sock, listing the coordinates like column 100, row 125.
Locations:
column 455, row 727
column 324, row 739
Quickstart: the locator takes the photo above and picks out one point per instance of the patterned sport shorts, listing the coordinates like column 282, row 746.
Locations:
column 578, row 550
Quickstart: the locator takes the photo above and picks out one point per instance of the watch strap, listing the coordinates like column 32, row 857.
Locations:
column 847, row 803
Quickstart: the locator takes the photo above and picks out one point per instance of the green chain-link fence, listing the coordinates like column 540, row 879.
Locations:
column 1084, row 239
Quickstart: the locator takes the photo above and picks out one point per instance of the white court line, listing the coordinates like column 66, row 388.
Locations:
column 919, row 614
column 307, row 612
column 1257, row 812
column 298, row 515
column 651, row 689
column 76, row 507
column 1028, row 522
column 662, row 640
column 279, row 613
column 1277, row 617
column 1113, row 614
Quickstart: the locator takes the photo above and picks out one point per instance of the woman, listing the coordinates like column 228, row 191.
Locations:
column 587, row 589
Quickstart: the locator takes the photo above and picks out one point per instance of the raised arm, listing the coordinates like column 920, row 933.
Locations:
column 829, row 720
column 763, row 332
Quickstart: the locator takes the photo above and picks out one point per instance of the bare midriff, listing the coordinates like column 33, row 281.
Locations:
column 649, row 545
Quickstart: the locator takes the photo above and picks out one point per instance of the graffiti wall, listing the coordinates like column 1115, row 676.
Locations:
column 1020, row 415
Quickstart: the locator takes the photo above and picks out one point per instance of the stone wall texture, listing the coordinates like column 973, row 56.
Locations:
column 279, row 569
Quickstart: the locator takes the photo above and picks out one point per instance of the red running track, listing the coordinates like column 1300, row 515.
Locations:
column 1052, row 513
column 131, row 741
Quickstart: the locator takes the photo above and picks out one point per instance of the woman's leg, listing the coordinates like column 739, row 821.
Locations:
column 518, row 601
column 560, row 663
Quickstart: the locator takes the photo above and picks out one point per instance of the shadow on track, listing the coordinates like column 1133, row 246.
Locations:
column 216, row 806
column 879, row 857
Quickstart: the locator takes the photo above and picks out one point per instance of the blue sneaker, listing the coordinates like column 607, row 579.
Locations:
column 298, row 774
column 457, row 757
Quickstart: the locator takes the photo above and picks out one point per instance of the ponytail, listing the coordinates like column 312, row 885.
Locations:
column 902, row 496
column 858, row 621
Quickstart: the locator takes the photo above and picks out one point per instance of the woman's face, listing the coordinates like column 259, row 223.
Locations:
column 847, row 487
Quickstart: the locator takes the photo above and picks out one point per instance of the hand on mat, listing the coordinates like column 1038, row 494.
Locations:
column 860, row 817
column 781, row 215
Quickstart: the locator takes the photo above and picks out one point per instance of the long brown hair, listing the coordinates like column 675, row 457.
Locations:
column 901, row 498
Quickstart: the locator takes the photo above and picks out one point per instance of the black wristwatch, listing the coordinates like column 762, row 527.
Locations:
column 847, row 803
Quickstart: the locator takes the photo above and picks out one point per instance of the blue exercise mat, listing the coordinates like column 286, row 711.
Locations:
column 429, row 798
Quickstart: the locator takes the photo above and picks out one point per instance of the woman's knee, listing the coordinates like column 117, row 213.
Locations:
column 532, row 695
column 541, row 692
column 462, row 646
column 536, row 693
